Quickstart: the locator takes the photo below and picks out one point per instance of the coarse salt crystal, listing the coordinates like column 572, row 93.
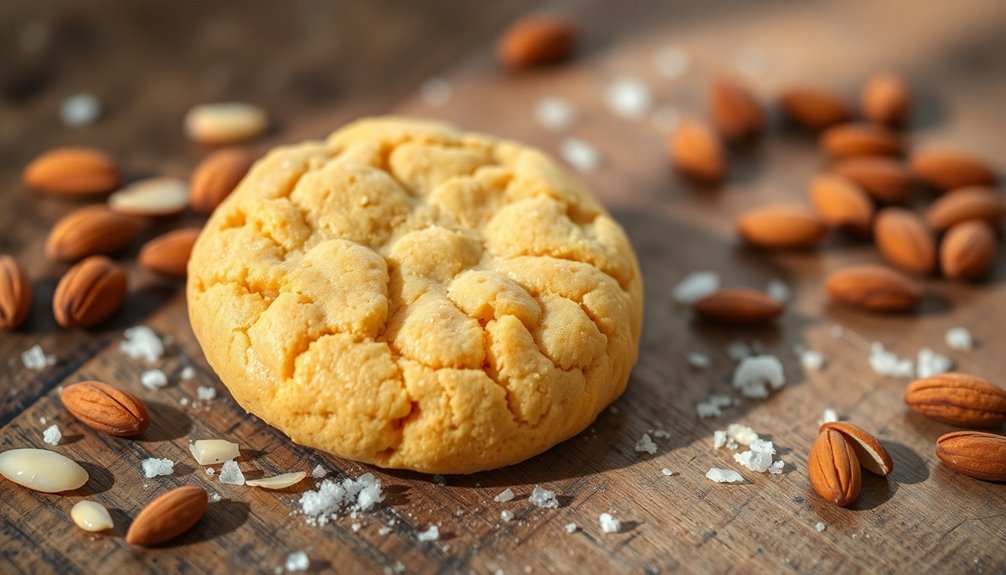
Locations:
column 671, row 62
column 206, row 393
column 719, row 438
column 659, row 433
column 80, row 110
column 231, row 474
column 829, row 415
column 758, row 457
column 318, row 472
column 187, row 373
column 35, row 358
column 811, row 360
column 931, row 363
column 696, row 286
column 959, row 338
column 432, row 533
column 384, row 530
column 541, row 497
column 884, row 362
column 570, row 528
column 742, row 433
column 698, row 360
column 707, row 410
column 777, row 467
column 141, row 342
column 778, row 290
column 43, row 420
column 153, row 379
column 646, row 445
column 52, row 435
column 154, row 467
column 331, row 497
column 755, row 375
column 210, row 471
column 738, row 350
column 554, row 113
column 723, row 475
column 297, row 561
column 820, row 527
column 628, row 97
column 666, row 471
column 355, row 527
column 609, row 523
column 504, row 496
column 215, row 497
column 506, row 515
column 579, row 154
column 436, row 92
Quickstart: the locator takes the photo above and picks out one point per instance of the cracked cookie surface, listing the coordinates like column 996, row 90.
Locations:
column 414, row 296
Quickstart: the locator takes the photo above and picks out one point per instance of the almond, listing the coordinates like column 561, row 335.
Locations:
column 979, row 455
column 873, row 287
column 964, row 204
column 848, row 140
column 151, row 197
column 225, row 123
column 89, row 292
column 168, row 516
column 15, row 293
column 834, row 468
column 969, row 251
column 871, row 453
column 105, row 408
column 696, row 152
column 885, row 179
column 217, row 176
column 951, row 169
column 536, row 41
column 169, row 253
column 813, row 108
column 88, row 231
column 735, row 111
column 958, row 399
column 886, row 99
column 72, row 172
column 738, row 306
column 905, row 241
column 781, row 226
column 841, row 203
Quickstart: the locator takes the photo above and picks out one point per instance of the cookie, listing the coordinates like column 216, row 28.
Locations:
column 413, row 296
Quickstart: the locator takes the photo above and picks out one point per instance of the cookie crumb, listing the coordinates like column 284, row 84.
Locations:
column 543, row 498
column 609, row 523
column 141, row 342
column 723, row 475
column 52, row 435
column 959, row 338
column 36, row 358
column 696, row 286
column 153, row 379
column 432, row 533
column 504, row 496
column 154, row 467
column 231, row 474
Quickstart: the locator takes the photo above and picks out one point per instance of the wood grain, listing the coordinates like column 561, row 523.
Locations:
column 339, row 63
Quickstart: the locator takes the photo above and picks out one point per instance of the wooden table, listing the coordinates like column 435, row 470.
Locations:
column 315, row 65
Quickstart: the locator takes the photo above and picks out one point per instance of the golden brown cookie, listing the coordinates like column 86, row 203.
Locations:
column 414, row 296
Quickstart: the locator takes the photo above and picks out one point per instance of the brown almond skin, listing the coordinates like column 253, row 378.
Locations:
column 813, row 108
column 905, row 241
column 834, row 468
column 697, row 153
column 887, row 100
column 974, row 453
column 885, row 179
column 969, row 251
column 536, row 41
column 959, row 399
column 89, row 292
column 965, row 204
column 735, row 112
column 72, row 172
column 951, row 169
column 871, row 453
column 168, row 516
column 874, row 288
column 15, row 293
column 217, row 176
column 169, row 253
column 88, row 231
column 841, row 203
column 738, row 306
column 860, row 139
column 106, row 408
column 781, row 227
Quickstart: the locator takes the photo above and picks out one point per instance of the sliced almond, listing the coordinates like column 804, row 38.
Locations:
column 15, row 293
column 841, row 203
column 89, row 292
column 738, row 306
column 951, row 169
column 169, row 253
column 905, row 241
column 278, row 481
column 886, row 99
column 735, row 111
column 42, row 470
column 213, row 451
column 89, row 231
column 168, row 516
column 73, row 172
column 869, row 451
column 849, row 140
column 885, row 179
column 964, row 204
column 969, row 251
column 225, row 123
column 91, row 516
column 151, row 197
column 813, row 108
column 873, row 287
column 696, row 152
column 536, row 41
column 781, row 227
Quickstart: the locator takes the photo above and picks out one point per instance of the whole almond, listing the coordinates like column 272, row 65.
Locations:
column 72, row 172
column 905, row 241
column 849, row 140
column 841, row 203
column 105, row 408
column 813, row 108
column 225, row 123
column 869, row 451
column 885, row 179
column 734, row 110
column 151, row 197
column 959, row 399
column 738, row 306
column 536, row 41
column 781, row 227
column 886, row 99
column 696, row 152
column 89, row 292
column 951, row 169
column 168, row 516
column 169, row 253
column 979, row 455
column 968, row 251
column 217, row 176
column 874, row 288
column 834, row 468
column 15, row 293
column 88, row 231
column 964, row 204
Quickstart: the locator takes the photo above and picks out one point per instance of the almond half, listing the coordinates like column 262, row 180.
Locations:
column 848, row 140
column 169, row 253
column 72, row 172
column 958, row 399
column 886, row 99
column 869, row 450
column 905, row 241
column 168, row 516
column 951, row 169
column 874, row 288
column 15, row 293
column 89, row 292
column 738, row 306
column 151, row 197
column 973, row 203
column 105, row 408
column 217, row 176
column 781, row 227
column 88, row 231
column 813, row 108
column 696, row 152
column 735, row 111
column 841, row 203
column 969, row 251
column 979, row 455
column 834, row 468
column 536, row 41
column 886, row 179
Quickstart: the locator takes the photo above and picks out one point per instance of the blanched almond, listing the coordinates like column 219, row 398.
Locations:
column 734, row 110
column 871, row 453
column 89, row 292
column 91, row 516
column 905, row 241
column 834, row 468
column 980, row 455
column 849, row 140
column 959, row 399
column 217, row 176
column 225, row 123
column 951, row 169
column 964, row 204
column 969, row 251
column 42, row 470
column 886, row 99
column 873, row 287
column 169, row 253
column 841, row 204
column 151, row 197
column 15, row 293
column 168, row 516
column 696, row 152
column 536, row 41
column 738, row 306
column 813, row 108
column 73, row 172
column 781, row 227
column 88, row 231
column 885, row 179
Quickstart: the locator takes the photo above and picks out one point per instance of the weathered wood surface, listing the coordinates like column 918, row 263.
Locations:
column 314, row 67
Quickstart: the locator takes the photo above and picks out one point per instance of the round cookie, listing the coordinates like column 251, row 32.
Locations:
column 414, row 296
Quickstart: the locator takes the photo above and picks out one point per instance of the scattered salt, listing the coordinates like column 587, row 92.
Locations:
column 541, row 497
column 698, row 360
column 504, row 496
column 52, row 435
column 829, row 415
column 755, row 375
column 432, row 533
column 42, row 420
column 646, row 445
column 723, row 475
column 210, row 471
column 187, row 373
column 579, row 154
column 319, row 472
column 355, row 527
column 738, row 350
column 671, row 62
column 436, row 92
column 742, row 434
column 666, row 471
column 331, row 497
column 696, row 286
column 884, row 362
column 931, row 363
column 811, row 360
column 80, row 110
column 959, row 338
column 820, row 527
column 153, row 379
column 609, row 523
column 758, row 457
column 554, row 113
column 142, row 343
column 707, row 410
column 215, row 497
column 719, row 438
column 35, row 358
column 153, row 467
column 231, row 474
column 297, row 561
column 778, row 290
column 206, row 393
column 384, row 531
column 506, row 515
column 628, row 97
column 570, row 528
column 777, row 467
